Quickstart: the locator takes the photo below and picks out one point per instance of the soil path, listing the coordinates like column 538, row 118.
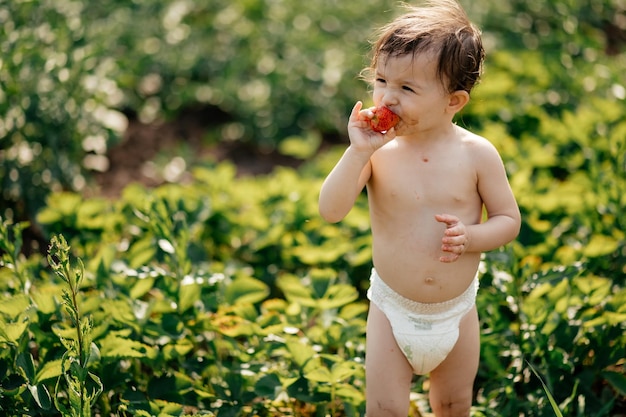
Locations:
column 132, row 160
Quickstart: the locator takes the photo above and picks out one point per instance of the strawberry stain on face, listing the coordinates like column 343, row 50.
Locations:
column 384, row 119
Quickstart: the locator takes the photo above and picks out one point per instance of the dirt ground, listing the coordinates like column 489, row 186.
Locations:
column 131, row 159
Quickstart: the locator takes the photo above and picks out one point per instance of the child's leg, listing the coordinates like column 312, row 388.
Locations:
column 451, row 383
column 388, row 374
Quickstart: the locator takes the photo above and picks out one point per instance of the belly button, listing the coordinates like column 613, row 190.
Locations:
column 430, row 280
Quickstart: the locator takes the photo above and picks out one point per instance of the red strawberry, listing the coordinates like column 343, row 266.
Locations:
column 384, row 119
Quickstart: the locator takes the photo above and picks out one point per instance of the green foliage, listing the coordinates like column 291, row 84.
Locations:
column 56, row 104
column 553, row 403
column 278, row 67
column 263, row 71
column 563, row 322
column 560, row 130
column 80, row 350
column 230, row 296
column 566, row 28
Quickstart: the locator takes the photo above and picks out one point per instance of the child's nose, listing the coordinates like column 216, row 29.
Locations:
column 390, row 98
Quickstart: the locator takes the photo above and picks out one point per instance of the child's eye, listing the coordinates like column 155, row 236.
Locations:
column 380, row 80
column 409, row 89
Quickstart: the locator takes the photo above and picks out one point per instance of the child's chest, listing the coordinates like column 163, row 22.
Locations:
column 433, row 180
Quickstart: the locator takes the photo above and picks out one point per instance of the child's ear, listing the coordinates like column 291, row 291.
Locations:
column 458, row 100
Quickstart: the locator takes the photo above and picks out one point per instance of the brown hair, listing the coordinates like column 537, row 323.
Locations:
column 442, row 28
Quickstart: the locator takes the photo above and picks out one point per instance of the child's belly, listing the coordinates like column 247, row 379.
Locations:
column 409, row 263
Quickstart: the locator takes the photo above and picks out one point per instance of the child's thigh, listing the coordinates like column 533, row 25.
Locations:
column 388, row 373
column 452, row 381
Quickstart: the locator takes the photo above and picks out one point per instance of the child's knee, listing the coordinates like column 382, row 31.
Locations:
column 453, row 406
column 385, row 409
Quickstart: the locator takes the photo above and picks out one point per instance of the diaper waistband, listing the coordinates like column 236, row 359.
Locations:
column 379, row 291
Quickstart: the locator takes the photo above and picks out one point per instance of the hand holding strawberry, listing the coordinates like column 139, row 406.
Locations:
column 362, row 136
column 383, row 119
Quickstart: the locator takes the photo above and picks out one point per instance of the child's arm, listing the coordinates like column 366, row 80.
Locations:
column 347, row 179
column 503, row 215
column 343, row 185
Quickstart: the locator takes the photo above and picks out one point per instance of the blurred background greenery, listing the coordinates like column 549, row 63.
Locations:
column 74, row 74
column 97, row 95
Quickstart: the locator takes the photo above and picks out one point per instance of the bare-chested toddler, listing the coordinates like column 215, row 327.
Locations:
column 438, row 196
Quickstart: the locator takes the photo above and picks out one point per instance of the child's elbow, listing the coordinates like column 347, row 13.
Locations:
column 329, row 215
column 517, row 224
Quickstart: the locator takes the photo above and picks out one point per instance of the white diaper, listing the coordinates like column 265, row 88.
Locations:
column 425, row 332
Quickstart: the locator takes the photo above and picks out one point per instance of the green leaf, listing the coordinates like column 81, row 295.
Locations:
column 555, row 406
column 337, row 296
column 268, row 386
column 295, row 291
column 617, row 381
column 246, row 290
column 300, row 352
column 91, row 214
column 325, row 253
column 60, row 206
column 353, row 311
column 319, row 374
column 41, row 395
column 14, row 305
column 93, row 354
column 117, row 347
column 96, row 386
column 233, row 326
column 349, row 393
column 600, row 245
column 168, row 408
column 12, row 332
column 300, row 147
column 615, row 319
column 188, row 294
column 300, row 390
column 170, row 387
column 588, row 284
column 177, row 349
column 50, row 369
column 343, row 370
column 321, row 281
column 141, row 287
column 141, row 252
column 45, row 297
column 26, row 363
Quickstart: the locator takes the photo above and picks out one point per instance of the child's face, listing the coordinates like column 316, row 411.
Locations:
column 410, row 87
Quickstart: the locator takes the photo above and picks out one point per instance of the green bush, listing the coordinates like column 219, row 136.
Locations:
column 56, row 103
column 262, row 71
column 229, row 295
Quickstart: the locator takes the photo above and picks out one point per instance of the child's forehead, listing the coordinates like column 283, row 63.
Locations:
column 421, row 62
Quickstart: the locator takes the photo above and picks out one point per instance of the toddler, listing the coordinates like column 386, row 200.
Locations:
column 438, row 196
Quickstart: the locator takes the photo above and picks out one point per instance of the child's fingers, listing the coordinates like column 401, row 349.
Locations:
column 449, row 259
column 354, row 115
column 448, row 219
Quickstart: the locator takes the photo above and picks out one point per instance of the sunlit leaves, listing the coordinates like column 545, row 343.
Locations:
column 114, row 346
column 246, row 290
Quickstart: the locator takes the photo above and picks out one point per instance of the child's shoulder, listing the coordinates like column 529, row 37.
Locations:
column 478, row 148
column 474, row 140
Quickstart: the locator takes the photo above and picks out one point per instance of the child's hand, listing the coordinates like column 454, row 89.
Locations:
column 362, row 136
column 455, row 239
